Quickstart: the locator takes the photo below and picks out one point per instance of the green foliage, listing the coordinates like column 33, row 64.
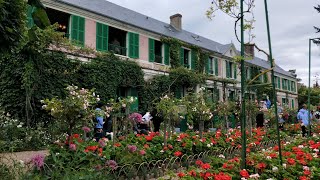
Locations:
column 107, row 74
column 75, row 110
column 12, row 24
column 174, row 50
column 303, row 96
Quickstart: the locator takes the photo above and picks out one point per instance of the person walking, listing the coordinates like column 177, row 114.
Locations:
column 303, row 118
column 99, row 116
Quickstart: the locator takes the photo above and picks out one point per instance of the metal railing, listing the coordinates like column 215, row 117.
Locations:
column 116, row 49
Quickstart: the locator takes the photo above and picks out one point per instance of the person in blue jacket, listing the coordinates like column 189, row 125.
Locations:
column 99, row 116
column 302, row 117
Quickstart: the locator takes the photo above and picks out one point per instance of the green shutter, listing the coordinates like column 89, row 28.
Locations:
column 102, row 36
column 216, row 67
column 194, row 58
column 166, row 54
column 182, row 57
column 133, row 45
column 208, row 66
column 279, row 83
column 235, row 71
column 77, row 29
column 151, row 50
column 30, row 10
column 179, row 92
column 283, row 86
column 227, row 69
column 292, row 103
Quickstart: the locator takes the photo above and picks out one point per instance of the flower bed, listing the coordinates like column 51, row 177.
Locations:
column 300, row 161
column 107, row 157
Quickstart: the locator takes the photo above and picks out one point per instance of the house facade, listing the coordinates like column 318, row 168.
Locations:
column 104, row 26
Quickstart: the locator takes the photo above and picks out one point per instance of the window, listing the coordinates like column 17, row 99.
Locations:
column 284, row 101
column 248, row 76
column 231, row 96
column 117, row 42
column 276, row 82
column 284, row 84
column 210, row 65
column 228, row 69
column 184, row 57
column 293, row 86
column 214, row 94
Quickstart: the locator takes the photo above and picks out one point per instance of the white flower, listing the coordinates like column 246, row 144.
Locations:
column 316, row 150
column 275, row 169
column 162, row 151
column 268, row 157
column 254, row 176
column 284, row 165
column 44, row 106
column 19, row 126
column 93, row 94
column 98, row 99
column 57, row 154
column 221, row 156
column 42, row 101
column 270, row 179
column 208, row 145
column 315, row 155
column 300, row 146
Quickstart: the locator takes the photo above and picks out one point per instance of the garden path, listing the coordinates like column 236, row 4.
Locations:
column 25, row 156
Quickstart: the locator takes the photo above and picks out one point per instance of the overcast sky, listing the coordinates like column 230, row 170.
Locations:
column 291, row 24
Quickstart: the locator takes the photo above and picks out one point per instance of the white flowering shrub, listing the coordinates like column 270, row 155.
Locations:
column 75, row 110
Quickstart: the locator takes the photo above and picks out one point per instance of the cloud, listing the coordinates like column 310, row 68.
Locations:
column 291, row 25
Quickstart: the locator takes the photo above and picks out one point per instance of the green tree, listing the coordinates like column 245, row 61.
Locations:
column 12, row 24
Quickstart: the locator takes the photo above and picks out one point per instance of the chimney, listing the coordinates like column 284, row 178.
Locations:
column 175, row 21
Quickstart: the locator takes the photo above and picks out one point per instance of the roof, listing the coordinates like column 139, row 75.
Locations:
column 116, row 12
column 127, row 16
column 266, row 65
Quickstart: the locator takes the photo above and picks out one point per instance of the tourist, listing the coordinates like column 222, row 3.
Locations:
column 99, row 115
column 107, row 126
column 280, row 116
column 260, row 118
column 156, row 120
column 302, row 117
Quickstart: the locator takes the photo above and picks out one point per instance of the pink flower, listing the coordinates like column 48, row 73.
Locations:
column 38, row 161
column 132, row 148
column 102, row 143
column 112, row 164
column 142, row 152
column 86, row 129
column 136, row 117
column 72, row 147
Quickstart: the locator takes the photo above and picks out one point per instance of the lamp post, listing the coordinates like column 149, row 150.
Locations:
column 309, row 89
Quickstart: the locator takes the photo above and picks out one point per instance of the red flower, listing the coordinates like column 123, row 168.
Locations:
column 205, row 175
column 146, row 146
column 149, row 138
column 276, row 148
column 227, row 166
column 199, row 162
column 303, row 178
column 261, row 166
column 221, row 176
column 244, row 173
column 183, row 144
column 178, row 153
column 273, row 155
column 181, row 174
column 248, row 150
column 291, row 161
column 205, row 166
column 170, row 146
column 192, row 173
column 117, row 144
column 307, row 172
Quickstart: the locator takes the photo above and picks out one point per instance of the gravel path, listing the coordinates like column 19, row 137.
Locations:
column 25, row 156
